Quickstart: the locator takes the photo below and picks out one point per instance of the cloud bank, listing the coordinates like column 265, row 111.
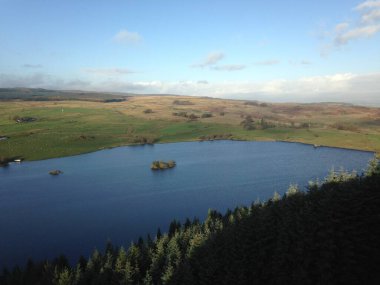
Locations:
column 344, row 87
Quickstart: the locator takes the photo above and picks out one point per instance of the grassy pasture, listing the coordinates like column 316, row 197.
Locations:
column 73, row 126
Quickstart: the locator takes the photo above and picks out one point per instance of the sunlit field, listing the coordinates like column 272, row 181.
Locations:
column 70, row 127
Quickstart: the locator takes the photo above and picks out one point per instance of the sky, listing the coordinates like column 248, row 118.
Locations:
column 288, row 50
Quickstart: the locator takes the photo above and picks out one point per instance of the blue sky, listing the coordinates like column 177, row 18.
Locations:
column 326, row 50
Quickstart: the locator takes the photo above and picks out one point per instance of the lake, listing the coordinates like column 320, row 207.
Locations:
column 113, row 194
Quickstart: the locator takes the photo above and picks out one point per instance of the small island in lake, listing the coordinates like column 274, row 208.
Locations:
column 159, row 165
column 55, row 172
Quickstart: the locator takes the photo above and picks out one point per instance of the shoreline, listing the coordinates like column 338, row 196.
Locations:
column 200, row 141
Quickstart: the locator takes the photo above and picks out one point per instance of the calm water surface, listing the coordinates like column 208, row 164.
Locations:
column 113, row 194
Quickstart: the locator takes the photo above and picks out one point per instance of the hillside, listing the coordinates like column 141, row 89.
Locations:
column 72, row 123
column 327, row 235
column 39, row 94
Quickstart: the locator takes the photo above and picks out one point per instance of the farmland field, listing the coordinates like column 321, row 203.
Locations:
column 74, row 126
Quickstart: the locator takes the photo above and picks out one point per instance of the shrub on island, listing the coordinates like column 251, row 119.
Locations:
column 159, row 165
column 55, row 172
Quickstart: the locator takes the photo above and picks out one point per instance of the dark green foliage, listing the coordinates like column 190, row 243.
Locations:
column 19, row 119
column 255, row 103
column 4, row 161
column 55, row 172
column 158, row 234
column 180, row 114
column 327, row 235
column 252, row 103
column 114, row 100
column 248, row 123
column 264, row 124
column 144, row 140
column 160, row 165
column 216, row 137
column 174, row 227
column 182, row 102
column 191, row 116
column 206, row 115
column 148, row 111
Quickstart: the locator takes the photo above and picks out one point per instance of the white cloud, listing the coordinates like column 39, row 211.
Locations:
column 356, row 33
column 211, row 59
column 341, row 27
column 368, row 4
column 229, row 67
column 268, row 62
column 109, row 71
column 127, row 37
column 371, row 16
column 367, row 26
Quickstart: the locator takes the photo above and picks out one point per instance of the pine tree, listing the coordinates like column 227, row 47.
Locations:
column 78, row 274
column 64, row 277
column 148, row 279
column 373, row 167
column 133, row 262
column 292, row 190
column 94, row 262
column 276, row 197
column 159, row 259
column 129, row 273
column 121, row 261
column 167, row 275
column 158, row 234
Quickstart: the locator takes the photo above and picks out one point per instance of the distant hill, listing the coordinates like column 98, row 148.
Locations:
column 39, row 94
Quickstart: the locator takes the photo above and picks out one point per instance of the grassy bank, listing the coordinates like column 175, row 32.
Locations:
column 62, row 128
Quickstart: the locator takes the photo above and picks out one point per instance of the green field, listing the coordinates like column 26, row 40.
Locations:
column 70, row 127
column 79, row 130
